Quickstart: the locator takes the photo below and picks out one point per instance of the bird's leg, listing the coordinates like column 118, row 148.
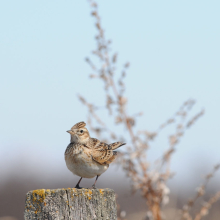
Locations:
column 77, row 185
column 93, row 186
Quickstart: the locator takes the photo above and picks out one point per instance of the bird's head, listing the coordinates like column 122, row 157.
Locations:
column 79, row 133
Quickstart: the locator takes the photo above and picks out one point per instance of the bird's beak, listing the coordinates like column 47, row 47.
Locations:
column 69, row 131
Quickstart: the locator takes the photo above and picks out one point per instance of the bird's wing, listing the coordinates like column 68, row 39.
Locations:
column 111, row 159
column 102, row 153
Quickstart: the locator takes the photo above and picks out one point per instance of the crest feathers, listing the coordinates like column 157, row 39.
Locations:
column 79, row 125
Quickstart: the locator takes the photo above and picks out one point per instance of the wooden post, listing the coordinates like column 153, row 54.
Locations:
column 71, row 203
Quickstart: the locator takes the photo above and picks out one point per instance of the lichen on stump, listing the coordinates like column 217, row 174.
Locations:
column 71, row 203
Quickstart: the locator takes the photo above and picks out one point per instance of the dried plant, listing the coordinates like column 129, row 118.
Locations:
column 185, row 212
column 150, row 179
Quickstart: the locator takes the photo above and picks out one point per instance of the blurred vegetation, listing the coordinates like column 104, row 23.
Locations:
column 150, row 179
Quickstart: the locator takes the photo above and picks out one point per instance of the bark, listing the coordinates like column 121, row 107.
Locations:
column 71, row 203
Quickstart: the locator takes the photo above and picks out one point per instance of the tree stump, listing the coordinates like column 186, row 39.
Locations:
column 71, row 203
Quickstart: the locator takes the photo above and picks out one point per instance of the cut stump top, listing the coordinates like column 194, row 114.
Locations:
column 70, row 203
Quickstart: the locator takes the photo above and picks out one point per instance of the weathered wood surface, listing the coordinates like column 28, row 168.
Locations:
column 71, row 203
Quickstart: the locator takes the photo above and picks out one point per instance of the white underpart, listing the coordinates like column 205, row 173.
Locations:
column 85, row 167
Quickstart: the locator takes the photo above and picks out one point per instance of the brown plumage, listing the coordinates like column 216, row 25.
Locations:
column 88, row 157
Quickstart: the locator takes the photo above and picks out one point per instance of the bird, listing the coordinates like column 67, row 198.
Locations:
column 88, row 157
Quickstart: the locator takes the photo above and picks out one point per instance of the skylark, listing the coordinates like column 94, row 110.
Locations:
column 88, row 157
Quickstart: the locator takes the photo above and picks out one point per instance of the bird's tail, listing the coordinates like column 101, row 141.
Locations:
column 116, row 145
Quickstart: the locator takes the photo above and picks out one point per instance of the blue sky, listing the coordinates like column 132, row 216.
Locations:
column 174, row 50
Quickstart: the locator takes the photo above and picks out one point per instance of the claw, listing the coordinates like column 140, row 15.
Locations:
column 78, row 187
column 93, row 186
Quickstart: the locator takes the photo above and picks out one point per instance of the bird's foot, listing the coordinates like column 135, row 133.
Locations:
column 93, row 186
column 78, row 187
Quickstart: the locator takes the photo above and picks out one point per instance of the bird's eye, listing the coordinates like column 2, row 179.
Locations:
column 81, row 131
